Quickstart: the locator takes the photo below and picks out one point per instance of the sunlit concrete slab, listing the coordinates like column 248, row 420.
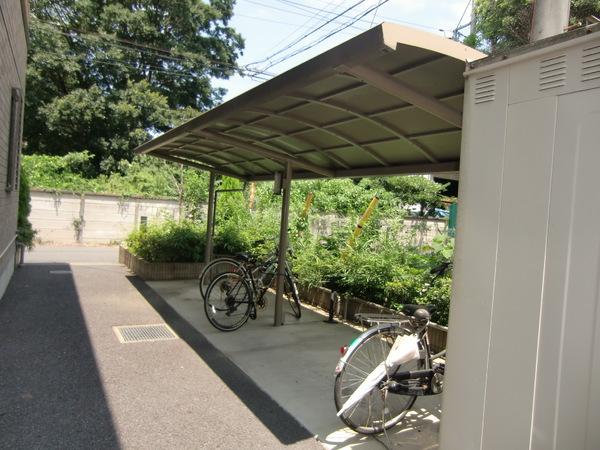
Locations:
column 294, row 364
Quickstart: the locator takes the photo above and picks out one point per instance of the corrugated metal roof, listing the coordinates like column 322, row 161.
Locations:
column 386, row 102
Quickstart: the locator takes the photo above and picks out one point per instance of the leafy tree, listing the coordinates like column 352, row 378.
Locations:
column 504, row 24
column 413, row 190
column 105, row 76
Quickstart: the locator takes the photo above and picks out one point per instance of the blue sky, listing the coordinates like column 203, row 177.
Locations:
column 268, row 26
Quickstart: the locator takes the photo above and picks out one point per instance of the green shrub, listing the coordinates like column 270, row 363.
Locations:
column 380, row 268
column 25, row 232
column 169, row 242
column 229, row 239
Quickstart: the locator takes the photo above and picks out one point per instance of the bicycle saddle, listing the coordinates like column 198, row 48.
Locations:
column 410, row 310
column 243, row 256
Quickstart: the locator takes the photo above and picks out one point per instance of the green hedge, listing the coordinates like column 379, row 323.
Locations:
column 168, row 242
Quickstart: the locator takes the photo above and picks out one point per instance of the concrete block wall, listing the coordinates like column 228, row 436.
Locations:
column 418, row 230
column 106, row 218
column 13, row 58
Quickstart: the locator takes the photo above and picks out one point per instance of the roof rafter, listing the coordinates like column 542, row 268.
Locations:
column 268, row 153
column 357, row 85
column 333, row 133
column 378, row 141
column 279, row 134
column 192, row 163
column 403, row 169
column 359, row 115
column 393, row 86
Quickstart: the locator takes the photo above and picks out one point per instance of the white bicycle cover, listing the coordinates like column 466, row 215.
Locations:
column 405, row 349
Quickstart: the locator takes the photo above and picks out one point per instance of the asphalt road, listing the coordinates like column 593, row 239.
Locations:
column 67, row 382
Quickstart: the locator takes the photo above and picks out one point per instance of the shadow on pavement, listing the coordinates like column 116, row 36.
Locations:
column 51, row 393
column 283, row 425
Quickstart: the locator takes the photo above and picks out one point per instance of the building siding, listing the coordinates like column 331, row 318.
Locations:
column 13, row 59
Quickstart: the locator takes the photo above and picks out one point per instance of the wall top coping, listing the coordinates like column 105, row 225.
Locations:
column 99, row 194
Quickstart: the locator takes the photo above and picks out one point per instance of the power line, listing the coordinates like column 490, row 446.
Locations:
column 279, row 22
column 320, row 40
column 287, row 11
column 375, row 14
column 387, row 18
column 305, row 7
column 304, row 36
column 458, row 27
column 317, row 14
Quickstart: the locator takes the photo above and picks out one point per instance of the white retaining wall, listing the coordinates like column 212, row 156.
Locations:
column 109, row 218
column 419, row 230
column 106, row 218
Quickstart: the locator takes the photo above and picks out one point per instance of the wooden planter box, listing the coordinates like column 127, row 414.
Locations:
column 349, row 306
column 158, row 271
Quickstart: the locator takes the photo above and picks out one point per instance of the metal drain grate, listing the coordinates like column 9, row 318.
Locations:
column 144, row 333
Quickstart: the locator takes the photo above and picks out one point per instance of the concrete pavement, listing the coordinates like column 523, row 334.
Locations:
column 67, row 382
column 294, row 364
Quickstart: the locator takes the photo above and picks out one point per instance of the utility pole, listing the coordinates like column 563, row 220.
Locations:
column 550, row 17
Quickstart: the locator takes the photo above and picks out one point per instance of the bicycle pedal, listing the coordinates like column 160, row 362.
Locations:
column 253, row 315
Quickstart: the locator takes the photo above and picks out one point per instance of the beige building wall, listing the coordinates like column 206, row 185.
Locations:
column 13, row 59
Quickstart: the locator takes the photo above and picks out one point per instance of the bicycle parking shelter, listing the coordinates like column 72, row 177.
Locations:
column 526, row 273
column 387, row 102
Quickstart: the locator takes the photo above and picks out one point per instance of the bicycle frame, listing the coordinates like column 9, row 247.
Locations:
column 267, row 267
column 430, row 386
column 429, row 376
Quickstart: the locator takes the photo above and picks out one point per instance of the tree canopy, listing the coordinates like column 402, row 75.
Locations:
column 500, row 25
column 105, row 75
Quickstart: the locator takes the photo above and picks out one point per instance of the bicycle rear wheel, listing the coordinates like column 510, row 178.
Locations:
column 215, row 268
column 228, row 301
column 290, row 292
column 379, row 410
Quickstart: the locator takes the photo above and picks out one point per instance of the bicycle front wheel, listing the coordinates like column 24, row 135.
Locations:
column 215, row 268
column 379, row 410
column 228, row 301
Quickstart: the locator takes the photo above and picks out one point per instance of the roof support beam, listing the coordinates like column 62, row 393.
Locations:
column 187, row 162
column 405, row 169
column 397, row 88
column 268, row 153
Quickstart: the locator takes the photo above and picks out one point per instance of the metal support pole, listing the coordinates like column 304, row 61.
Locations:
column 283, row 244
column 210, row 219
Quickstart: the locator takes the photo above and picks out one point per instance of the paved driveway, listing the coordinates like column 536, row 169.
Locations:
column 67, row 382
column 295, row 364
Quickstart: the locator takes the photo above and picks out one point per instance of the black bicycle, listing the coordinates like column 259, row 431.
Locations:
column 233, row 296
